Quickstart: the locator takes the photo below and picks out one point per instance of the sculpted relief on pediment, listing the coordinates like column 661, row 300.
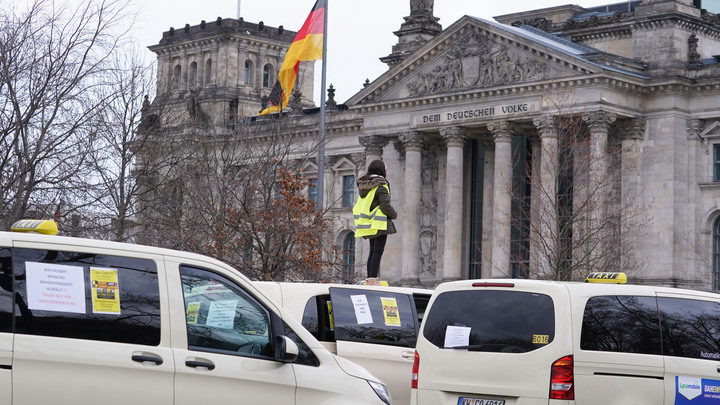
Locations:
column 479, row 61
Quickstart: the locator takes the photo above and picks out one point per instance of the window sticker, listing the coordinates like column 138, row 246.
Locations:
column 362, row 309
column 390, row 311
column 696, row 391
column 330, row 316
column 457, row 336
column 55, row 287
column 541, row 339
column 105, row 291
column 192, row 312
column 222, row 314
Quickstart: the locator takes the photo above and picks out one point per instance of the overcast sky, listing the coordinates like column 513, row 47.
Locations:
column 359, row 31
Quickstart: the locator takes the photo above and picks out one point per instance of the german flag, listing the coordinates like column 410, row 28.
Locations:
column 307, row 45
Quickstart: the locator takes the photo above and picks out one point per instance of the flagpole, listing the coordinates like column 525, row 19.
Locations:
column 320, row 183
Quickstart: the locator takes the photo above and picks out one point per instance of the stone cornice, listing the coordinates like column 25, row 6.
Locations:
column 624, row 29
column 640, row 86
column 214, row 43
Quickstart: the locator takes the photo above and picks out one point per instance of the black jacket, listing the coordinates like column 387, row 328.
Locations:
column 382, row 198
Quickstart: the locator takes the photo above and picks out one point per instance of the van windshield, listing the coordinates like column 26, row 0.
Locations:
column 490, row 321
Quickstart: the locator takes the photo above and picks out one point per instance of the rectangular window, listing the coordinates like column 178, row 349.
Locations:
column 716, row 162
column 348, row 191
column 86, row 296
column 312, row 189
column 5, row 290
column 374, row 317
column 690, row 328
column 624, row 324
column 222, row 317
column 497, row 321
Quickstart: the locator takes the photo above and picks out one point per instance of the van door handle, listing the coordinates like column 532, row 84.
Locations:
column 195, row 364
column 408, row 354
column 141, row 358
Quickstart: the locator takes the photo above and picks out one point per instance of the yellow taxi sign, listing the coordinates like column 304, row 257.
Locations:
column 45, row 227
column 381, row 283
column 608, row 278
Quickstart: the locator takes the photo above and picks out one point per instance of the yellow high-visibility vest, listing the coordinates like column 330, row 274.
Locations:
column 369, row 222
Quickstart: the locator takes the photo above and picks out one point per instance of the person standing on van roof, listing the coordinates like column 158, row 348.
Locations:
column 373, row 215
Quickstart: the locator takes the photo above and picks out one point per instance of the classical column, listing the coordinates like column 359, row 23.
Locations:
column 374, row 145
column 412, row 143
column 487, row 208
column 599, row 122
column 452, row 253
column 534, row 233
column 502, row 198
column 632, row 135
column 547, row 209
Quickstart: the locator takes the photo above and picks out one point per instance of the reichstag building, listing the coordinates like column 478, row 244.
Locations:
column 540, row 144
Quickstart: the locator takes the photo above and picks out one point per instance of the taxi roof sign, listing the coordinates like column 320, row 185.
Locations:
column 45, row 227
column 607, row 278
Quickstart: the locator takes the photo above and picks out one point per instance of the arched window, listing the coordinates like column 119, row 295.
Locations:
column 192, row 79
column 177, row 77
column 716, row 255
column 348, row 257
column 248, row 71
column 267, row 75
column 208, row 71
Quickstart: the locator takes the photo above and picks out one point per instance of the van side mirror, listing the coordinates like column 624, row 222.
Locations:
column 286, row 350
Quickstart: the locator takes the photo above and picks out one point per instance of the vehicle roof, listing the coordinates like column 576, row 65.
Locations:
column 316, row 288
column 593, row 288
column 61, row 242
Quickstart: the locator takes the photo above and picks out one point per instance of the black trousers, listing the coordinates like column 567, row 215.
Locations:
column 377, row 247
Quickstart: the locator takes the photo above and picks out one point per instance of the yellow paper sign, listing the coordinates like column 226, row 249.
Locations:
column 105, row 291
column 193, row 309
column 390, row 311
column 330, row 315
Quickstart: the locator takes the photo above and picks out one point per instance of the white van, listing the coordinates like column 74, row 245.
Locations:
column 374, row 326
column 523, row 342
column 88, row 322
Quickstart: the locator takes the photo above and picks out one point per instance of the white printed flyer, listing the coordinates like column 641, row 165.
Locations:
column 55, row 287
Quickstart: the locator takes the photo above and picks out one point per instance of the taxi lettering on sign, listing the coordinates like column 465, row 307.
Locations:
column 608, row 278
column 46, row 227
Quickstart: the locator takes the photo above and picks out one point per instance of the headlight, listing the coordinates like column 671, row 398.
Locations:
column 381, row 391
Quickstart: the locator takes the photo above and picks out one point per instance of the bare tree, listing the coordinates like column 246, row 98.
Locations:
column 238, row 193
column 53, row 59
column 578, row 220
column 113, row 190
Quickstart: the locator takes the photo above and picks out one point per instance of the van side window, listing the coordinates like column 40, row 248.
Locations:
column 492, row 321
column 86, row 296
column 379, row 317
column 690, row 328
column 625, row 324
column 317, row 318
column 222, row 317
column 5, row 290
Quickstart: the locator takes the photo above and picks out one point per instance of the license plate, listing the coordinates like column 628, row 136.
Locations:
column 480, row 401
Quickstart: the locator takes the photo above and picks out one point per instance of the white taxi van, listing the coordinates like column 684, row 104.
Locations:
column 530, row 342
column 87, row 322
column 374, row 326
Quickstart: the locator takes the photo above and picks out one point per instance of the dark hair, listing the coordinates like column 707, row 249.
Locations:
column 376, row 167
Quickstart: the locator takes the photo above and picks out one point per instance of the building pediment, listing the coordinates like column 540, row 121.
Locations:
column 475, row 54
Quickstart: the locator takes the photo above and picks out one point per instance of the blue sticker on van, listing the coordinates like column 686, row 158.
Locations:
column 696, row 391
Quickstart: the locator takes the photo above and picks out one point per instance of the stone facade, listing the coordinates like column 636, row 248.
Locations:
column 457, row 104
